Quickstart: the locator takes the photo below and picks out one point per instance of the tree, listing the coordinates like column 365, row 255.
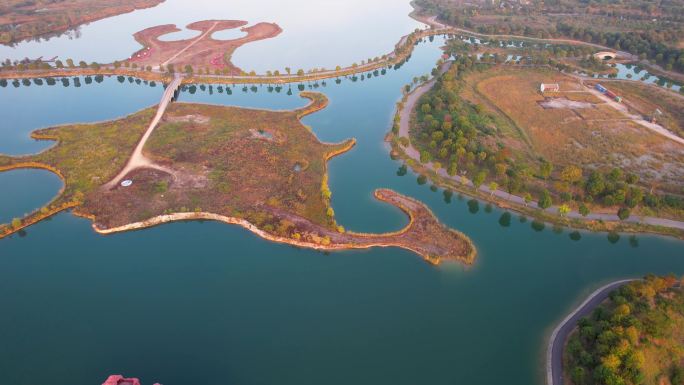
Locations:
column 479, row 178
column 545, row 169
column 425, row 157
column 583, row 209
column 528, row 198
column 288, row 70
column 578, row 375
column 70, row 63
column 571, row 174
column 545, row 199
column 188, row 69
column 16, row 223
column 563, row 210
column 493, row 186
column 300, row 72
column 596, row 184
column 623, row 213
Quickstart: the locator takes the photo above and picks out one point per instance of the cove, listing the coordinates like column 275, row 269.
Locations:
column 24, row 191
column 206, row 303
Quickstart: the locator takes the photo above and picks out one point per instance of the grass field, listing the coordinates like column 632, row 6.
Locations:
column 645, row 99
column 598, row 137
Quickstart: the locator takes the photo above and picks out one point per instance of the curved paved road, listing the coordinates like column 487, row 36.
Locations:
column 554, row 352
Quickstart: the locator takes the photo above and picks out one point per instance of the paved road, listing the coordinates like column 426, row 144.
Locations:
column 554, row 352
column 137, row 159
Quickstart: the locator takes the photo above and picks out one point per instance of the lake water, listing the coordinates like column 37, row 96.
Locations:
column 206, row 303
column 322, row 33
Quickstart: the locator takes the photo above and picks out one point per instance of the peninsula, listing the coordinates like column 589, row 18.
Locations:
column 260, row 169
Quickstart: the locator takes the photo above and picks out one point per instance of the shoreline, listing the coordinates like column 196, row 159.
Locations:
column 378, row 194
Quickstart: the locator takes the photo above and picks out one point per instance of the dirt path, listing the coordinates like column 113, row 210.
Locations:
column 187, row 47
column 657, row 128
column 554, row 351
column 414, row 153
column 138, row 159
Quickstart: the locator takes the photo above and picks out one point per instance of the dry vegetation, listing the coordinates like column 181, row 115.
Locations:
column 258, row 168
column 598, row 137
column 645, row 99
column 26, row 19
column 634, row 337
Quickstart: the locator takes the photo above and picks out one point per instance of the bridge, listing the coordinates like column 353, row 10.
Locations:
column 138, row 159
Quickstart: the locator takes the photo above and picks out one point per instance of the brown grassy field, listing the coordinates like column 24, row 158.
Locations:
column 644, row 100
column 227, row 160
column 598, row 137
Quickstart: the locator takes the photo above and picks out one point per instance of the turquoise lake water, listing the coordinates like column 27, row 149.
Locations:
column 206, row 303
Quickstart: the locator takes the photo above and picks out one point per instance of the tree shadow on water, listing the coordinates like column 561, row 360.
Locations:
column 613, row 238
column 473, row 206
column 538, row 226
column 505, row 219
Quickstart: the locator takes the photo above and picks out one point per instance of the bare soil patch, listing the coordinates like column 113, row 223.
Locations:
column 565, row 103
column 202, row 52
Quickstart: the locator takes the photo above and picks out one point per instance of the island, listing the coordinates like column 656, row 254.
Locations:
column 260, row 169
column 204, row 52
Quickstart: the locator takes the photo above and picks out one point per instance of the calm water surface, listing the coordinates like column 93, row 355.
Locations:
column 205, row 303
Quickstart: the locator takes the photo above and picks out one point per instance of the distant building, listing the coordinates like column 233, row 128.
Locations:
column 549, row 87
